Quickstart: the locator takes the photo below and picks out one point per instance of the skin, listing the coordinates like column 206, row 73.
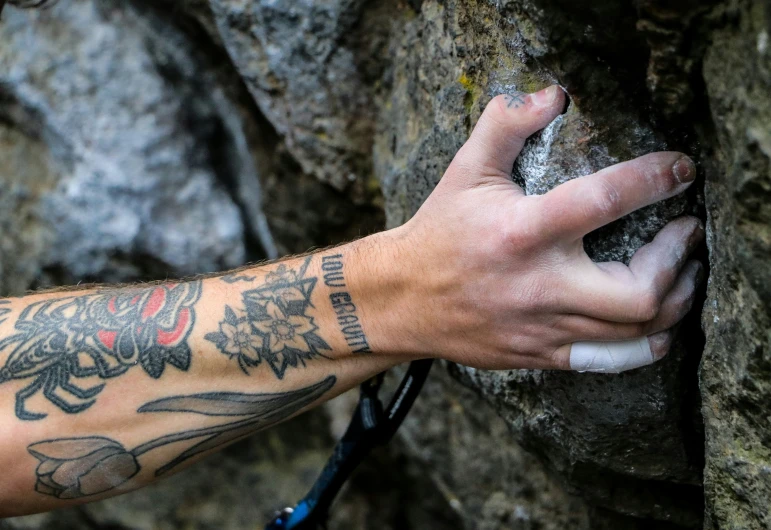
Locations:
column 482, row 275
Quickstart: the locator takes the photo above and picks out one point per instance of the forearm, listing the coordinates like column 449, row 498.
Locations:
column 146, row 380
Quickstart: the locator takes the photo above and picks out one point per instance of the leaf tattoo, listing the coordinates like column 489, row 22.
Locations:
column 102, row 334
column 272, row 325
column 71, row 468
column 4, row 310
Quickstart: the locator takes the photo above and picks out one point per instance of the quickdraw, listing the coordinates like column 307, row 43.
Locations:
column 370, row 426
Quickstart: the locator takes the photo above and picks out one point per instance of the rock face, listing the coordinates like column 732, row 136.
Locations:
column 117, row 172
column 311, row 67
column 736, row 367
column 143, row 139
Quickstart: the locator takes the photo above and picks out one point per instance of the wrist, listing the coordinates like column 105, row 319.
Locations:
column 366, row 285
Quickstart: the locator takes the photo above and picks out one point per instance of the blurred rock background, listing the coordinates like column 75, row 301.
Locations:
column 142, row 140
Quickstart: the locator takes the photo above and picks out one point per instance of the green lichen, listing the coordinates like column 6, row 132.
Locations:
column 473, row 92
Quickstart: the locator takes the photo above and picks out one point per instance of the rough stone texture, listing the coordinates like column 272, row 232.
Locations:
column 311, row 67
column 125, row 183
column 486, row 477
column 249, row 106
column 736, row 367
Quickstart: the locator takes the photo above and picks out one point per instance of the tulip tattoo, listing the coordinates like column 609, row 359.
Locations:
column 77, row 467
column 71, row 468
column 272, row 325
column 103, row 334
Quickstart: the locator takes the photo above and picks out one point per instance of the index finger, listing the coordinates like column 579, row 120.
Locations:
column 581, row 205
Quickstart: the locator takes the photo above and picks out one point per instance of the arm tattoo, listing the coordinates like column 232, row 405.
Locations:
column 344, row 307
column 235, row 277
column 272, row 324
column 71, row 468
column 102, row 334
column 4, row 310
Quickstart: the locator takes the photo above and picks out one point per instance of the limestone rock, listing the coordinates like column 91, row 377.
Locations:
column 736, row 367
column 115, row 143
column 311, row 67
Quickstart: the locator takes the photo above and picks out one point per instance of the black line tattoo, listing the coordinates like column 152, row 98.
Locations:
column 102, row 334
column 4, row 310
column 515, row 99
column 273, row 324
column 235, row 277
column 345, row 309
column 71, row 468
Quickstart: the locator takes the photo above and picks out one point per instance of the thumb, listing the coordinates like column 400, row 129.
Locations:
column 507, row 121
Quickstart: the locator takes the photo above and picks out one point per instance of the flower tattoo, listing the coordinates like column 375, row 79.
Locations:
column 103, row 334
column 272, row 325
column 72, row 468
column 240, row 340
column 285, row 331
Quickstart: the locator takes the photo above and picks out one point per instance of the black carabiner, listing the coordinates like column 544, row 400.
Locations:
column 370, row 426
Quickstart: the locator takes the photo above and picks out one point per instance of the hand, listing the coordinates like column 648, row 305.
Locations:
column 500, row 280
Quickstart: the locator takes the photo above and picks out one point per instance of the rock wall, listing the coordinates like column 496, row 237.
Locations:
column 145, row 139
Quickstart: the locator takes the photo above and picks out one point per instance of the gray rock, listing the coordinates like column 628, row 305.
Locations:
column 124, row 131
column 311, row 67
column 736, row 366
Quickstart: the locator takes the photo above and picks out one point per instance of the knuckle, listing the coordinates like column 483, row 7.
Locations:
column 647, row 307
column 608, row 200
column 495, row 111
column 559, row 358
column 637, row 329
column 517, row 237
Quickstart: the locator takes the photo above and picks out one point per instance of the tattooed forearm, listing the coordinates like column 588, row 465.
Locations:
column 272, row 323
column 4, row 309
column 102, row 334
column 344, row 308
column 72, row 468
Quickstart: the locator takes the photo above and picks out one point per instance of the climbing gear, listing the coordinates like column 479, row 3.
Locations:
column 370, row 426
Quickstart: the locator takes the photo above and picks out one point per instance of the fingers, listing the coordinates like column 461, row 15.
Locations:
column 613, row 357
column 675, row 306
column 498, row 137
column 581, row 205
column 656, row 265
column 600, row 346
column 615, row 292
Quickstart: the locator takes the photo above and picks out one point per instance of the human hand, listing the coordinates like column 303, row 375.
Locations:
column 500, row 280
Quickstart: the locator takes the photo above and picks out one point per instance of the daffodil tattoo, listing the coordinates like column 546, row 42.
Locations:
column 272, row 325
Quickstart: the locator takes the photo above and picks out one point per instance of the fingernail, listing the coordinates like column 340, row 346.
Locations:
column 684, row 169
column 545, row 97
column 660, row 344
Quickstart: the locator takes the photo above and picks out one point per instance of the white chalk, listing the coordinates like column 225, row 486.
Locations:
column 610, row 357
